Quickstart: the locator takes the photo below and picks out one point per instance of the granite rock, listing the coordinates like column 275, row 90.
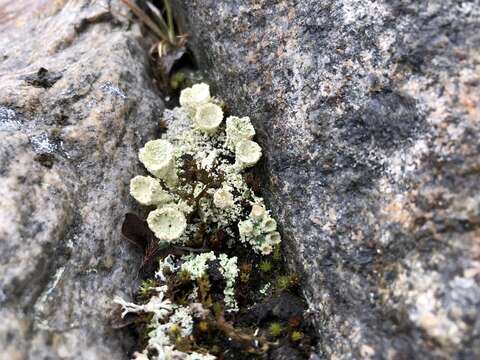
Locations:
column 368, row 115
column 76, row 103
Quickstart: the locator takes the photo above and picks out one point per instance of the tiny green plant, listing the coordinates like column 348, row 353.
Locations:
column 265, row 266
column 287, row 282
column 146, row 288
column 283, row 283
column 276, row 329
column 277, row 253
column 296, row 336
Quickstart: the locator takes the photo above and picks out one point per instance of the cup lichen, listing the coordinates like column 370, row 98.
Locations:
column 203, row 202
column 208, row 117
column 148, row 191
column 192, row 98
column 247, row 153
column 167, row 223
column 158, row 158
column 223, row 198
column 238, row 129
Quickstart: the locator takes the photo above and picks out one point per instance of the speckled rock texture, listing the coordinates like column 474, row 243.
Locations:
column 368, row 112
column 76, row 103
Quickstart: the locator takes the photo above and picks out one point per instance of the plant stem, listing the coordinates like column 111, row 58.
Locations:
column 158, row 17
column 171, row 26
column 146, row 19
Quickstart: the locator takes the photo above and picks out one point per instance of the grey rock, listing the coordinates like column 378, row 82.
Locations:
column 368, row 113
column 76, row 102
column 286, row 353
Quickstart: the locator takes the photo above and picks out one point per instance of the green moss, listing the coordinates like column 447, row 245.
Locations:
column 296, row 336
column 245, row 270
column 265, row 266
column 184, row 276
column 217, row 308
column 277, row 253
column 287, row 282
column 177, row 80
column 203, row 326
column 146, row 288
column 283, row 283
column 276, row 329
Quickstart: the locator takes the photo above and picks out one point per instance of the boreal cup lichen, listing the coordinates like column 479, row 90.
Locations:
column 197, row 191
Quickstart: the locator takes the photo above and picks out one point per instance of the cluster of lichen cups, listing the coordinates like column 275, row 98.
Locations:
column 184, row 205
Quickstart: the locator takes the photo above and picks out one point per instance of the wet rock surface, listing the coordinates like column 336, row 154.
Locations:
column 368, row 114
column 76, row 103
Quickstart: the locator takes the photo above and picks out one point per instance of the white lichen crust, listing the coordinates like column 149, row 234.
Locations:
column 197, row 265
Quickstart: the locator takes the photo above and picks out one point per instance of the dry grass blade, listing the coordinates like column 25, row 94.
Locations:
column 158, row 16
column 146, row 19
column 171, row 26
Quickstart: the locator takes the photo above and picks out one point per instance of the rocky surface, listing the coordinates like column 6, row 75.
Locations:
column 76, row 102
column 368, row 112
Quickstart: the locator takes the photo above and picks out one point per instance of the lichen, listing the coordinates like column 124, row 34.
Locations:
column 223, row 198
column 238, row 129
column 202, row 203
column 259, row 230
column 167, row 223
column 158, row 158
column 167, row 320
column 148, row 191
column 208, row 117
column 247, row 153
column 197, row 265
column 192, row 98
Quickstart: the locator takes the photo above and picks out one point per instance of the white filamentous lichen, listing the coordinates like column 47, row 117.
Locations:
column 168, row 263
column 157, row 305
column 198, row 193
column 167, row 320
